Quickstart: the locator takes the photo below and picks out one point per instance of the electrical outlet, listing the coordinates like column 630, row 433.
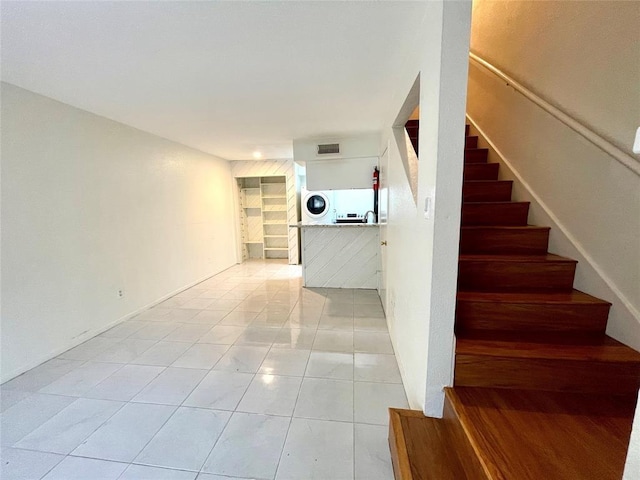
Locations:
column 120, row 293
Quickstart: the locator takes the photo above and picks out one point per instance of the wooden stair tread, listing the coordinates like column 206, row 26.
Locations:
column 546, row 346
column 549, row 257
column 573, row 297
column 420, row 448
column 532, row 435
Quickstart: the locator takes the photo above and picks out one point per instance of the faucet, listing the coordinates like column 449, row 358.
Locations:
column 366, row 215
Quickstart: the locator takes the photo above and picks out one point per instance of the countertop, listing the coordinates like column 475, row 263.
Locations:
column 334, row 225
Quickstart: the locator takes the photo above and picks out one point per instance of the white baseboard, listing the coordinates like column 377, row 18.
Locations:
column 97, row 331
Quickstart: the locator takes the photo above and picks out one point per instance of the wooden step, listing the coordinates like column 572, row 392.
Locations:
column 424, row 448
column 498, row 434
column 527, row 240
column 471, row 142
column 481, row 171
column 574, row 312
column 466, row 130
column 487, row 190
column 524, row 273
column 476, row 155
column 525, row 435
column 585, row 364
column 495, row 213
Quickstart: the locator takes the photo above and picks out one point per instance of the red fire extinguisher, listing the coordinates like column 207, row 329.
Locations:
column 376, row 186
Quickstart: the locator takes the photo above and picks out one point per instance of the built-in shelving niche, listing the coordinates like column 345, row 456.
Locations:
column 263, row 217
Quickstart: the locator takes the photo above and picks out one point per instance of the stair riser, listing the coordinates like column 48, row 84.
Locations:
column 535, row 317
column 458, row 441
column 481, row 171
column 500, row 214
column 466, row 130
column 497, row 276
column 504, row 241
column 479, row 155
column 471, row 142
column 498, row 191
column 551, row 375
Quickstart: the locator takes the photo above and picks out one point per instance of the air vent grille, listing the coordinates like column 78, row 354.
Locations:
column 328, row 149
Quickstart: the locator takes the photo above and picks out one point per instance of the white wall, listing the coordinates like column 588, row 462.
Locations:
column 584, row 59
column 422, row 253
column 351, row 168
column 89, row 207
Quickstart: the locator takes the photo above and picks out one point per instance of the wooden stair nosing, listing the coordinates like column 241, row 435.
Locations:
column 575, row 296
column 549, row 347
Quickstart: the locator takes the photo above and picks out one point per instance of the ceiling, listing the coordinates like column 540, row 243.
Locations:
column 228, row 78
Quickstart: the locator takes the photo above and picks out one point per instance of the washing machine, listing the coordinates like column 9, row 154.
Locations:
column 317, row 207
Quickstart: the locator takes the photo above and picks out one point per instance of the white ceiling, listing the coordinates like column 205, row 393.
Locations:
column 227, row 78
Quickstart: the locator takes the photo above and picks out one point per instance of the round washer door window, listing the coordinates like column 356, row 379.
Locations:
column 316, row 204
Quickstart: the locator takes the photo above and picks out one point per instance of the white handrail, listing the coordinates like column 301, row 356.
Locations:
column 603, row 144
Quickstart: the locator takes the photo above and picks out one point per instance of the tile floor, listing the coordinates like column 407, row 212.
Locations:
column 246, row 375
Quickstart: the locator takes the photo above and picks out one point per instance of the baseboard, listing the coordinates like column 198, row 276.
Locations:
column 97, row 331
column 560, row 227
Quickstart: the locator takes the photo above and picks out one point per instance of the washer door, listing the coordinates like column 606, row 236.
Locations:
column 316, row 205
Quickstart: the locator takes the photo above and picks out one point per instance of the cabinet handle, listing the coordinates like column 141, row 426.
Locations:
column 384, row 244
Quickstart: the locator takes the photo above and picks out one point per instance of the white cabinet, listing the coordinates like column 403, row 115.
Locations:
column 263, row 211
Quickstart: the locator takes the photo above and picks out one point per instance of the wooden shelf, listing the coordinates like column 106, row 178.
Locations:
column 275, row 236
column 277, row 248
column 284, row 209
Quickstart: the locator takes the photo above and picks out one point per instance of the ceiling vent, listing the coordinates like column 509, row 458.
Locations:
column 329, row 149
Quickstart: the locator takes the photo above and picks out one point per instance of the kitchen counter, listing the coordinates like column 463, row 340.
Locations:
column 343, row 255
column 333, row 225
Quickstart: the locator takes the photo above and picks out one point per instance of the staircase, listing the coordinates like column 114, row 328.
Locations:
column 540, row 391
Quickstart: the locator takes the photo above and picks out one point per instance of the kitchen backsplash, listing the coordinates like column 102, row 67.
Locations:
column 354, row 200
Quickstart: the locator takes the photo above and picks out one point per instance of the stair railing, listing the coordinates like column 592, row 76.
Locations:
column 603, row 144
